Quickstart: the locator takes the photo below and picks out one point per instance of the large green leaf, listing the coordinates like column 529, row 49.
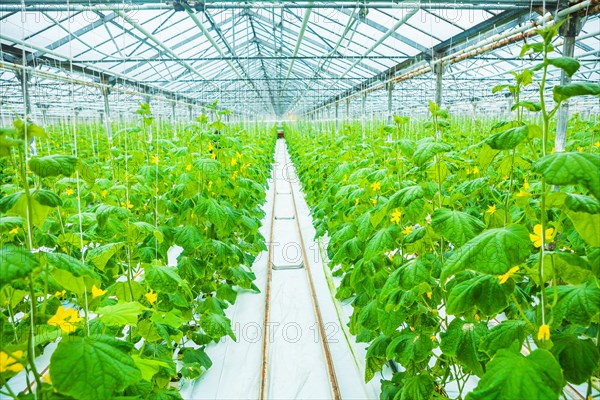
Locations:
column 15, row 263
column 376, row 356
column 410, row 346
column 504, row 335
column 100, row 255
column 162, row 279
column 71, row 264
column 483, row 293
column 121, row 313
column 456, row 226
column 382, row 241
column 567, row 64
column 417, row 387
column 461, row 340
column 494, row 252
column 216, row 325
column 578, row 357
column 53, row 165
column 508, row 139
column 564, row 92
column 572, row 168
column 588, row 226
column 9, row 223
column 148, row 367
column 577, row 304
column 426, row 150
column 92, row 368
column 513, row 376
column 580, row 203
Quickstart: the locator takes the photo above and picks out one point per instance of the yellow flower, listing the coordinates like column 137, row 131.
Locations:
column 475, row 170
column 213, row 156
column 47, row 379
column 233, row 161
column 129, row 205
column 435, row 311
column 525, row 184
column 9, row 362
column 210, row 147
column 477, row 317
column 60, row 294
column 188, row 167
column 151, row 296
column 97, row 292
column 396, row 216
column 491, row 209
column 374, row 201
column 522, row 193
column 154, row 160
column 504, row 277
column 69, row 191
column 13, row 231
column 544, row 332
column 433, row 339
column 238, row 154
column 66, row 319
column 210, row 183
column 429, row 294
column 345, row 179
column 376, row 186
column 597, row 144
column 580, row 149
column 104, row 193
column 355, row 202
column 536, row 236
column 407, row 230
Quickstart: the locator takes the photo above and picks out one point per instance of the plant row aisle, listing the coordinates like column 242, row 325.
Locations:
column 472, row 261
column 88, row 232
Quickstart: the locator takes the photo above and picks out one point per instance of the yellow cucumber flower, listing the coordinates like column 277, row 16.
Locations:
column 8, row 362
column 504, row 277
column 396, row 216
column 65, row 318
column 536, row 236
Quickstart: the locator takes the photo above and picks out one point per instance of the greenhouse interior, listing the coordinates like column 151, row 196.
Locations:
column 349, row 199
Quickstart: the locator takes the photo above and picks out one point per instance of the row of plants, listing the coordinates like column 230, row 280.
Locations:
column 465, row 253
column 86, row 233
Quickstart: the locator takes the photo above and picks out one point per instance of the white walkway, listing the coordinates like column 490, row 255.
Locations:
column 297, row 368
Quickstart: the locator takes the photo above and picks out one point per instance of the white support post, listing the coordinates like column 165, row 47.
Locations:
column 23, row 77
column 390, row 118
column 364, row 114
column 570, row 29
column 174, row 120
column 337, row 116
column 105, row 93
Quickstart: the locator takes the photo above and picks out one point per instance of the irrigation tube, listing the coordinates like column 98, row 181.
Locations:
column 491, row 43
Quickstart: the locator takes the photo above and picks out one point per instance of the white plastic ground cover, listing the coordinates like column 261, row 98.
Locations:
column 296, row 362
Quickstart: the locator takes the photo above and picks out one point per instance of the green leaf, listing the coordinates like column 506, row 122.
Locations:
column 216, row 326
column 580, row 203
column 426, row 150
column 461, row 341
column 588, row 226
column 53, row 165
column 382, row 241
column 578, row 357
column 101, row 255
column 504, row 335
column 493, row 252
column 405, row 196
column 368, row 316
column 529, row 105
column 376, row 356
column 92, row 368
column 68, row 263
column 162, row 279
column 47, row 198
column 513, row 376
column 576, row 304
column 8, row 223
column 15, row 263
column 482, row 292
column 508, row 139
column 417, row 387
column 456, row 226
column 564, row 92
column 567, row 64
column 571, row 169
column 121, row 313
column 148, row 367
column 410, row 346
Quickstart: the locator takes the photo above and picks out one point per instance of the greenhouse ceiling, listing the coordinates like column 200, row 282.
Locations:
column 273, row 58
